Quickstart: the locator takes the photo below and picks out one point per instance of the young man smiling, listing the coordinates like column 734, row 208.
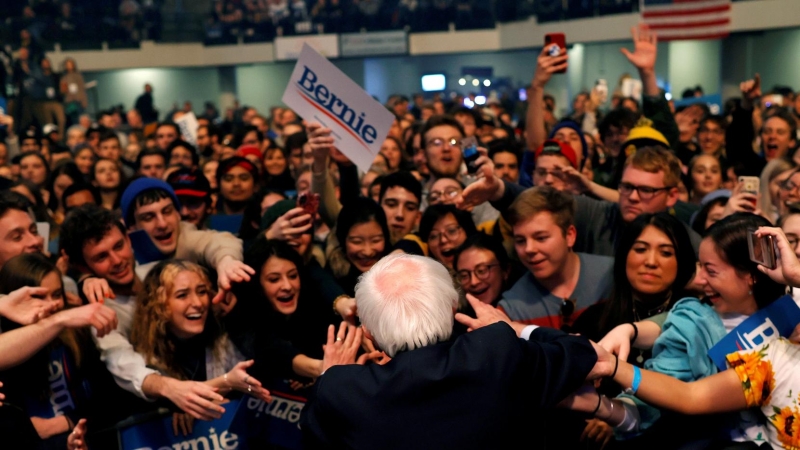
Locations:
column 95, row 241
column 560, row 283
column 151, row 205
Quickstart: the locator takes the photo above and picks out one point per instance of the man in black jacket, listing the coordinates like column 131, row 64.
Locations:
column 480, row 390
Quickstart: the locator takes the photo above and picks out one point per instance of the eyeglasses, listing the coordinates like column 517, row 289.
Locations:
column 435, row 196
column 451, row 233
column 439, row 142
column 481, row 272
column 788, row 185
column 645, row 192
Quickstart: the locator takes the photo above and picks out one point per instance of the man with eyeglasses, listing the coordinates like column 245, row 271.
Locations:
column 446, row 190
column 649, row 185
column 550, row 158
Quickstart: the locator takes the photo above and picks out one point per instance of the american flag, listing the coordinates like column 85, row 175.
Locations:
column 688, row 19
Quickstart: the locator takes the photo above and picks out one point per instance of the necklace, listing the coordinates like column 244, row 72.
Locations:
column 647, row 314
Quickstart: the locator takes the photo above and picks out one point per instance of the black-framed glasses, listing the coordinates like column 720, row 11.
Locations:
column 481, row 272
column 645, row 192
column 450, row 232
column 439, row 142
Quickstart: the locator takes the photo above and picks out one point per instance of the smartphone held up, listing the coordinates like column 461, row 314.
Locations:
column 556, row 43
column 469, row 150
column 763, row 250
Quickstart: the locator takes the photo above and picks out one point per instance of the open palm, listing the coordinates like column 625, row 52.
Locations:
column 644, row 48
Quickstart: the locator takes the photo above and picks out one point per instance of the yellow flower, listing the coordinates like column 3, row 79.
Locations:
column 787, row 422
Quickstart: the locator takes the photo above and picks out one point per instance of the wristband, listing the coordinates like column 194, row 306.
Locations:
column 637, row 378
column 599, row 401
column 616, row 366
column 635, row 332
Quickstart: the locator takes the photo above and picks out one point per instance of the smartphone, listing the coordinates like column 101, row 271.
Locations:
column 309, row 202
column 602, row 90
column 557, row 44
column 469, row 150
column 772, row 100
column 751, row 185
column 762, row 250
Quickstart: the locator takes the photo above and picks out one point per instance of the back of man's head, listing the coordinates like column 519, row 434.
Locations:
column 657, row 159
column 406, row 302
column 85, row 224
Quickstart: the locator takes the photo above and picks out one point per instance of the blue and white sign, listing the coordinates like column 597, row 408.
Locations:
column 776, row 320
column 318, row 91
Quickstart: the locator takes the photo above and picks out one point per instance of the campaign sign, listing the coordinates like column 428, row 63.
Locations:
column 219, row 434
column 777, row 319
column 320, row 92
column 277, row 423
column 188, row 125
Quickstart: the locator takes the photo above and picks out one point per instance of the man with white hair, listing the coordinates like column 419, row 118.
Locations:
column 480, row 390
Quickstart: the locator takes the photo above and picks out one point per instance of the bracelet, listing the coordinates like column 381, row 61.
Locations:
column 599, row 401
column 611, row 410
column 635, row 332
column 637, row 378
column 616, row 366
column 225, row 377
column 336, row 300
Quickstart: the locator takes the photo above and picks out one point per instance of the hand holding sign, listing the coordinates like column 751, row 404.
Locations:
column 320, row 92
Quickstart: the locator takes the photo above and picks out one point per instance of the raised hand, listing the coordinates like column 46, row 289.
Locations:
column 100, row 317
column 751, row 89
column 320, row 140
column 342, row 349
column 547, row 65
column 230, row 271
column 22, row 306
column 787, row 270
column 644, row 48
column 290, row 225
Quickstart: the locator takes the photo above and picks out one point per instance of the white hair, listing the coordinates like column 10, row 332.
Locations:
column 406, row 302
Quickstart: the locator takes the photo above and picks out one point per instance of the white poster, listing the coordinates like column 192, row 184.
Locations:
column 318, row 91
column 188, row 125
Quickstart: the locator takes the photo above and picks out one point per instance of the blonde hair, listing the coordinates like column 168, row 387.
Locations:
column 654, row 160
column 149, row 334
column 539, row 199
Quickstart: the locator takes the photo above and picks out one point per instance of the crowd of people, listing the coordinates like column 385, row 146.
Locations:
column 144, row 268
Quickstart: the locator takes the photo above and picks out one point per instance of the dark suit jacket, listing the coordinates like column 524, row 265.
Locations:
column 479, row 391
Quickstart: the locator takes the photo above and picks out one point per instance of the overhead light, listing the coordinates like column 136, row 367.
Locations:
column 668, row 96
column 462, row 81
column 468, row 103
column 487, row 83
column 480, row 99
column 475, row 82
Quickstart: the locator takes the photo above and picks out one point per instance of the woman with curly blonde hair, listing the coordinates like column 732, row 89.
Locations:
column 177, row 333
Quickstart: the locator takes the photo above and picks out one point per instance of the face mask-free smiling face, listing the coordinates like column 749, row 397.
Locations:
column 280, row 281
column 188, row 304
column 161, row 221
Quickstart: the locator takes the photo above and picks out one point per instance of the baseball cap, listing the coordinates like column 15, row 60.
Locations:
column 187, row 182
column 50, row 128
column 555, row 147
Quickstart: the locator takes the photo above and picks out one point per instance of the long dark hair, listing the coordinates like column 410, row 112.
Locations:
column 362, row 210
column 730, row 238
column 69, row 169
column 619, row 308
column 436, row 212
column 29, row 269
column 250, row 294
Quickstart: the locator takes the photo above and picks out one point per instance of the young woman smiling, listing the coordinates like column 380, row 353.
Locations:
column 734, row 288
